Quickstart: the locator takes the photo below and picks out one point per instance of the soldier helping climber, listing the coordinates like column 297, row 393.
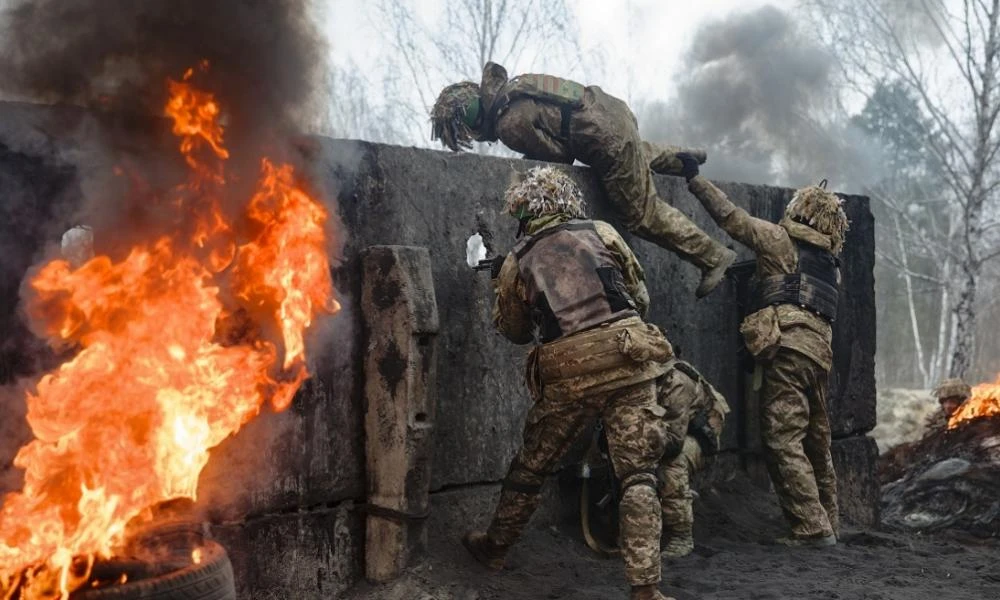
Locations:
column 575, row 285
column 789, row 334
column 557, row 120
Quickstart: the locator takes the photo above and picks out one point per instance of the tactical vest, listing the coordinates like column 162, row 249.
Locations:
column 572, row 279
column 813, row 286
column 564, row 93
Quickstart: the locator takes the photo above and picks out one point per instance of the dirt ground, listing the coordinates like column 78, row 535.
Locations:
column 732, row 560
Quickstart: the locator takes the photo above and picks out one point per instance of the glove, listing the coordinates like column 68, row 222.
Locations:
column 690, row 165
column 493, row 264
column 700, row 429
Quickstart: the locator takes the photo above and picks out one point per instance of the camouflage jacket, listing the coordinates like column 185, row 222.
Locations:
column 531, row 127
column 801, row 330
column 936, row 422
column 581, row 362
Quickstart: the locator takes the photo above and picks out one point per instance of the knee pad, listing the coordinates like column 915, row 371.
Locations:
column 523, row 480
column 640, row 478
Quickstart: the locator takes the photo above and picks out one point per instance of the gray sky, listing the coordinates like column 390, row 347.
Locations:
column 643, row 40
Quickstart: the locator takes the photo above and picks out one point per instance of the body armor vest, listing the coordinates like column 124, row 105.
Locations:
column 814, row 286
column 572, row 279
column 564, row 93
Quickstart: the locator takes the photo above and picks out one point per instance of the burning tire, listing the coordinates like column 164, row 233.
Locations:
column 210, row 579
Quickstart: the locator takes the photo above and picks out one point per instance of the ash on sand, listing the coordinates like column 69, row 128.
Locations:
column 731, row 561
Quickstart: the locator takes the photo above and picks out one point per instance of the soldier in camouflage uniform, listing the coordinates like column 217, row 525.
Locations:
column 557, row 120
column 951, row 394
column 576, row 285
column 695, row 415
column 790, row 335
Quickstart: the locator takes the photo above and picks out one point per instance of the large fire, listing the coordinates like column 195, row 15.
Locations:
column 985, row 401
column 177, row 346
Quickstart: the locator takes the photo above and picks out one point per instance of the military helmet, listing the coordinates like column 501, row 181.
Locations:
column 953, row 388
column 456, row 113
column 821, row 210
column 544, row 191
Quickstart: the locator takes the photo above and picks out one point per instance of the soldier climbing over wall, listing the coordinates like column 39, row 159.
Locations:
column 576, row 285
column 557, row 120
column 790, row 335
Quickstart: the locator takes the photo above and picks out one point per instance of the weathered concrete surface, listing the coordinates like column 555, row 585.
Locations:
column 855, row 461
column 401, row 322
column 313, row 454
column 315, row 554
column 437, row 199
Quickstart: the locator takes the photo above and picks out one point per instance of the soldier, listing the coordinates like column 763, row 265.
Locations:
column 951, row 395
column 695, row 414
column 790, row 335
column 575, row 284
column 557, row 120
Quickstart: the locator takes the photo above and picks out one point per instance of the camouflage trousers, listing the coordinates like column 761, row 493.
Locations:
column 634, row 426
column 676, row 497
column 605, row 135
column 796, row 435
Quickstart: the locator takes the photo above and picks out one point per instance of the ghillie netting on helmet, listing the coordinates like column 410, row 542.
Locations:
column 545, row 191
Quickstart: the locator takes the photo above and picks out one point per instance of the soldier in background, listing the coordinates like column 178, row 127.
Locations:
column 951, row 394
column 695, row 415
column 557, row 120
column 576, row 285
column 790, row 336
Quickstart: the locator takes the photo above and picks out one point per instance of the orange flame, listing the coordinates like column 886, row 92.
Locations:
column 985, row 401
column 173, row 357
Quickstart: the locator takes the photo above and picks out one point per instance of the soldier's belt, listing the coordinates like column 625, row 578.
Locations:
column 625, row 343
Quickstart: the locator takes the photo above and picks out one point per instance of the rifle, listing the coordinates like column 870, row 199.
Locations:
column 492, row 265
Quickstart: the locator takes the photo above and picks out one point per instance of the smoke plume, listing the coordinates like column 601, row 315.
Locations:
column 757, row 91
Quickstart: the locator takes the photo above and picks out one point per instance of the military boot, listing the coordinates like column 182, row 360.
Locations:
column 677, row 546
column 647, row 592
column 813, row 541
column 712, row 276
column 488, row 553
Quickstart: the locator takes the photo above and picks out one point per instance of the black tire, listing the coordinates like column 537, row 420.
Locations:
column 212, row 579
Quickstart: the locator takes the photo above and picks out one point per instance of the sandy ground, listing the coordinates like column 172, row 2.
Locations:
column 732, row 560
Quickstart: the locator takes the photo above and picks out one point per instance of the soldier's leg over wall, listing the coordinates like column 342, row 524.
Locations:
column 784, row 422
column 631, row 191
column 549, row 431
column 635, row 428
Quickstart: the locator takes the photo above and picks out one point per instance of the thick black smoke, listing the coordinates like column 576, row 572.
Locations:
column 756, row 90
column 117, row 54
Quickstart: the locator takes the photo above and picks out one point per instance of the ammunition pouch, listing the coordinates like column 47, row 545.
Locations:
column 762, row 333
column 799, row 289
column 612, row 345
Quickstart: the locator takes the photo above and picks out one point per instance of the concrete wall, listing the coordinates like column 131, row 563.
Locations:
column 282, row 493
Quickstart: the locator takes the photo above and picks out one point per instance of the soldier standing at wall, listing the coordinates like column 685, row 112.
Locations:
column 951, row 394
column 576, row 284
column 557, row 120
column 695, row 415
column 790, row 335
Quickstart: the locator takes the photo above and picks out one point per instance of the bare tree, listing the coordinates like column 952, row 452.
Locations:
column 519, row 34
column 946, row 54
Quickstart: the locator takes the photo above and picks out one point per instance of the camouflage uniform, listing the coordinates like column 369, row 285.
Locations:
column 950, row 394
column 793, row 348
column 577, row 286
column 574, row 380
column 695, row 415
column 574, row 122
